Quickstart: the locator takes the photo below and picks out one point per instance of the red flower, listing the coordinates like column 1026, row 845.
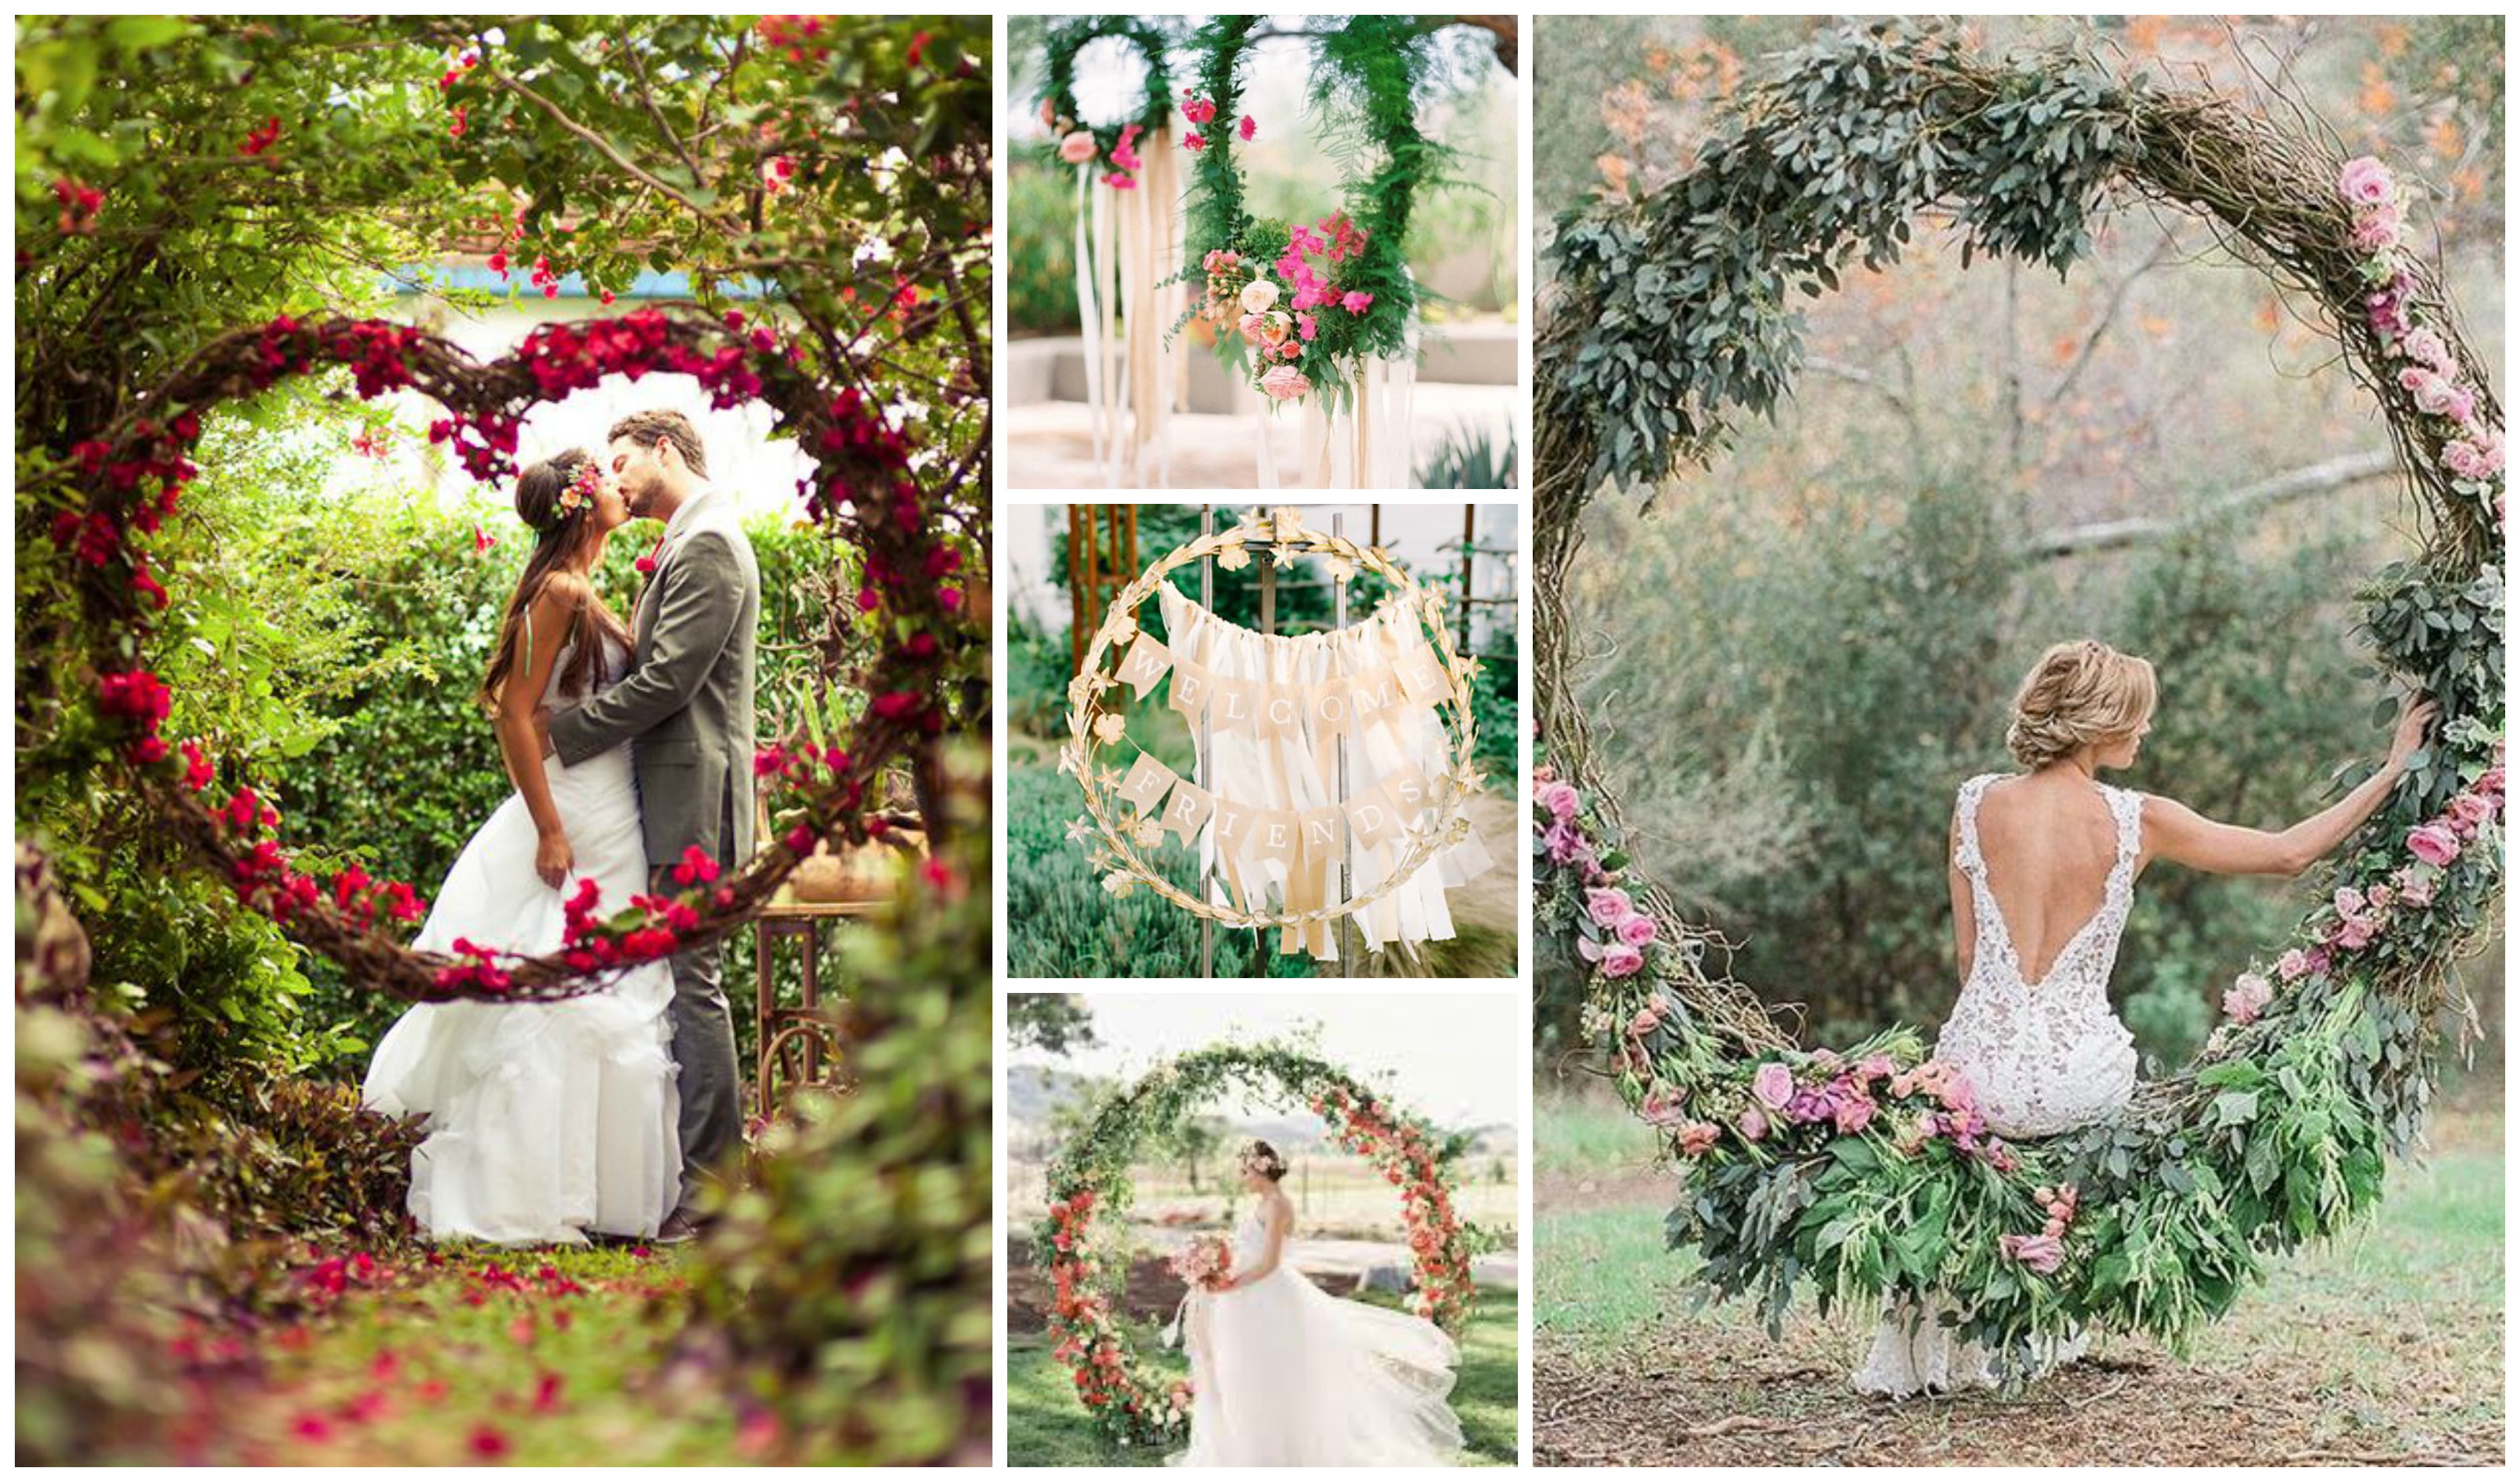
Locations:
column 490, row 1443
column 483, row 541
column 697, row 867
column 1247, row 128
column 455, row 130
column 261, row 139
column 897, row 705
column 918, row 46
column 1193, row 143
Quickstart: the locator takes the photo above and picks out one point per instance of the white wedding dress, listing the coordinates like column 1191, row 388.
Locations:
column 546, row 1121
column 2042, row 1057
column 1285, row 1374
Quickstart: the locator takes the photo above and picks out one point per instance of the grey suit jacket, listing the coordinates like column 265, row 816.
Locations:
column 687, row 704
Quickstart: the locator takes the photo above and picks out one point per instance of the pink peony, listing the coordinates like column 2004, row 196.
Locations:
column 1077, row 147
column 1621, row 961
column 2041, row 1253
column 1608, row 906
column 2434, row 844
column 2247, row 998
column 1774, row 1085
column 2365, row 181
column 1638, row 930
column 1753, row 1124
column 1285, row 383
column 1695, row 1137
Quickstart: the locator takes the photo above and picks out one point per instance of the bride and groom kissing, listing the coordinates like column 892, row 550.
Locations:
column 630, row 748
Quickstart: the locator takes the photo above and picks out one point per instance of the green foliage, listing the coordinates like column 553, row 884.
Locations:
column 851, row 1284
column 1055, row 1022
column 1041, row 252
column 1471, row 458
column 1072, row 927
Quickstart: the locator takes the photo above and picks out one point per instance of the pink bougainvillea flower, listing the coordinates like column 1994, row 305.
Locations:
column 1119, row 181
column 1247, row 128
column 1356, row 302
column 1197, row 109
column 1193, row 143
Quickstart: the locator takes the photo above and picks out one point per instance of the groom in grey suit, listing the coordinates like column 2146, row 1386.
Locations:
column 687, row 709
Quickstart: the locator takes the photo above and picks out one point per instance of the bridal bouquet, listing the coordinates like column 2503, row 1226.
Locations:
column 1206, row 1264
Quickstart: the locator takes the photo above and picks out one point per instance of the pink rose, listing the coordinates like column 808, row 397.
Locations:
column 2365, row 181
column 2434, row 844
column 2473, row 461
column 2439, row 396
column 1644, row 1023
column 2414, row 887
column 1560, row 800
column 1077, row 147
column 1956, row 1093
column 1622, row 961
column 1047, row 115
column 2348, row 901
column 1285, row 383
column 1662, row 1107
column 1695, row 1137
column 2468, row 811
column 2247, row 998
column 2426, row 348
column 1252, row 325
column 1608, row 906
column 2376, row 230
column 1753, row 1124
column 1854, row 1114
column 2354, row 932
column 1875, row 1066
column 1638, row 930
column 2490, row 782
column 2293, row 966
column 1774, row 1085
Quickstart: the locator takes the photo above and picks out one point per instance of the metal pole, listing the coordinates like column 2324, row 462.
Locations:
column 1206, row 752
column 1347, row 844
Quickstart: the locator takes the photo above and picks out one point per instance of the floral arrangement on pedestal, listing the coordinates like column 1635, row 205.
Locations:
column 1082, row 1239
column 1866, row 1171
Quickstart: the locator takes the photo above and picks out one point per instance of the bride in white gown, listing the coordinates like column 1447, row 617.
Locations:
column 547, row 1122
column 2043, row 872
column 1285, row 1374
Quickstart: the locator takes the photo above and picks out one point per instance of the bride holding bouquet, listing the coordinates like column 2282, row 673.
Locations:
column 1285, row 1374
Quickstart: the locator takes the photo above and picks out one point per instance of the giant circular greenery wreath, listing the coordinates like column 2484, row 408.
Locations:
column 1301, row 308
column 1112, row 143
column 1133, row 1404
column 1867, row 1170
column 111, row 494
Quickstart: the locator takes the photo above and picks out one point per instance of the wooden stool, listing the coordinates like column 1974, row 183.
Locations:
column 790, row 1042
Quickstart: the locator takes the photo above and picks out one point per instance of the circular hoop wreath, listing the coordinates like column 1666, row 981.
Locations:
column 1867, row 1170
column 1116, row 143
column 1310, row 327
column 1094, row 722
column 1134, row 1404
column 112, row 492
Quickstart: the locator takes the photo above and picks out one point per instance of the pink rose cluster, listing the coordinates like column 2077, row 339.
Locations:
column 1626, row 932
column 2359, row 915
column 1555, row 805
column 2247, row 998
column 2430, row 373
column 1847, row 1099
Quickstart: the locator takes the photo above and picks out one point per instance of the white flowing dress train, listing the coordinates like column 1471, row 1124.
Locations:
column 546, row 1121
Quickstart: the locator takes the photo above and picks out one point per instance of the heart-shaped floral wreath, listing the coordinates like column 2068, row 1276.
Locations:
column 1090, row 1190
column 116, row 490
column 1865, row 1172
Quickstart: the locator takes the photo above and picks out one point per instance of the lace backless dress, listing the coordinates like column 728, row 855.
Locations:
column 2042, row 1057
column 547, row 1122
column 1285, row 1374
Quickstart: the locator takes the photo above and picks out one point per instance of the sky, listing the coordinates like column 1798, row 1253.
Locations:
column 1459, row 1059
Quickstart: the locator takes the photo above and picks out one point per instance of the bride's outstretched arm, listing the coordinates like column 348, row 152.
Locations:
column 521, row 743
column 2176, row 832
column 1273, row 1246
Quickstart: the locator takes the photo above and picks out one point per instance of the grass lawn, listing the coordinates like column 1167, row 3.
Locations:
column 554, row 1358
column 1047, row 1427
column 2386, row 1345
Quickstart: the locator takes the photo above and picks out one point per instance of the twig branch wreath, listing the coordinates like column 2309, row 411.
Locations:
column 1082, row 1237
column 115, row 490
column 1866, row 1170
column 1116, row 838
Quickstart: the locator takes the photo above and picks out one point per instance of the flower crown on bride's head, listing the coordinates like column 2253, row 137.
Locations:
column 580, row 493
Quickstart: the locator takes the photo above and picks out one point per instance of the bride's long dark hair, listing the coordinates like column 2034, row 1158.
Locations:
column 561, row 535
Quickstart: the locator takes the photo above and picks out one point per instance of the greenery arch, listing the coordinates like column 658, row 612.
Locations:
column 1089, row 1183
column 1671, row 321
